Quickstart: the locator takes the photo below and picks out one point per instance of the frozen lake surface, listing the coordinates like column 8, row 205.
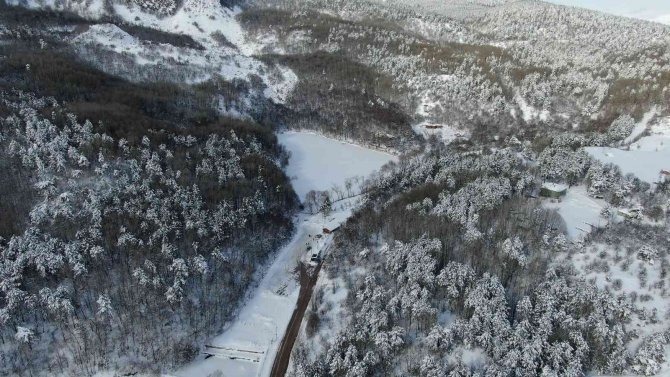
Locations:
column 319, row 163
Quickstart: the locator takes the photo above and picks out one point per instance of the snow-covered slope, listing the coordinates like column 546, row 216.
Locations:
column 223, row 52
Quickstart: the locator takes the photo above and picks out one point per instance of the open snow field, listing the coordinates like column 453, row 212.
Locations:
column 644, row 164
column 428, row 111
column 319, row 163
column 641, row 126
column 579, row 211
column 644, row 158
column 248, row 346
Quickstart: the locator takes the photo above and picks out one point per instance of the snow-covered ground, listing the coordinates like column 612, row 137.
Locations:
column 316, row 163
column 261, row 323
column 319, row 163
column 226, row 51
column 644, row 158
column 333, row 317
column 579, row 211
column 645, row 165
column 443, row 132
column 623, row 271
column 641, row 126
column 428, row 111
column 528, row 112
column 618, row 269
column 203, row 20
column 88, row 9
column 658, row 138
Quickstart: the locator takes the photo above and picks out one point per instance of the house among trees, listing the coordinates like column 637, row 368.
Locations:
column 664, row 176
column 553, row 190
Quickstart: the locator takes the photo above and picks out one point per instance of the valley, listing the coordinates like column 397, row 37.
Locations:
column 315, row 163
column 332, row 188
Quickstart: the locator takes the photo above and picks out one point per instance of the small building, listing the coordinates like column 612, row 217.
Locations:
column 553, row 190
column 665, row 176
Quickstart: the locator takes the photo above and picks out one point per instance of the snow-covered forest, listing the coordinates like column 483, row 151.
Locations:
column 134, row 215
column 147, row 204
column 453, row 268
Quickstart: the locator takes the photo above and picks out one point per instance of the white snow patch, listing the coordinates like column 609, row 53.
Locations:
column 212, row 365
column 281, row 85
column 113, row 38
column 528, row 112
column 579, row 211
column 472, row 357
column 332, row 314
column 446, row 318
column 87, row 9
column 641, row 126
column 554, row 186
column 644, row 158
column 658, row 139
column 664, row 19
column 428, row 102
column 262, row 322
column 644, row 164
column 622, row 278
column 204, row 21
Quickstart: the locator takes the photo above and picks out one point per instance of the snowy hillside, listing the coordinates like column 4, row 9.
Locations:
column 220, row 49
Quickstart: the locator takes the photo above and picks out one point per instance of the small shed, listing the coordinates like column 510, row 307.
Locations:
column 553, row 190
column 665, row 175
